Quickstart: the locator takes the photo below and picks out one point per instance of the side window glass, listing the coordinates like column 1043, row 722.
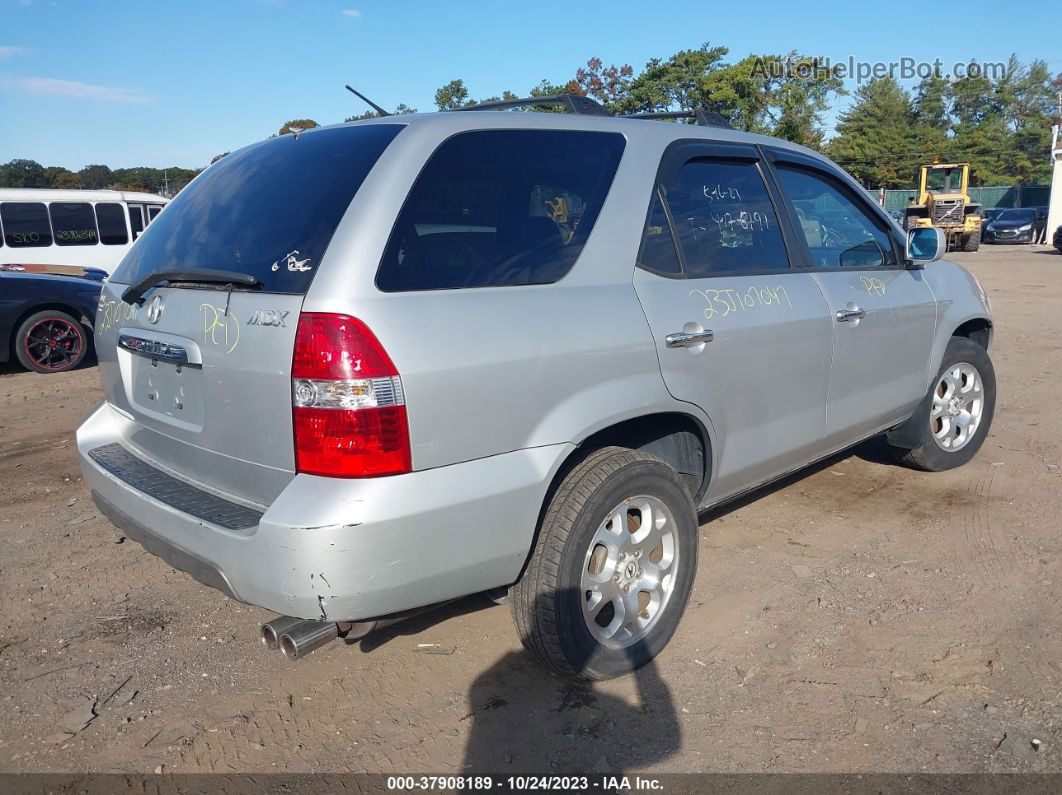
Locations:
column 724, row 220
column 500, row 208
column 25, row 224
column 658, row 252
column 839, row 233
column 153, row 210
column 74, row 224
column 112, row 224
column 136, row 220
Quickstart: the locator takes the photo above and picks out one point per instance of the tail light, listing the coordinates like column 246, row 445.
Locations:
column 347, row 402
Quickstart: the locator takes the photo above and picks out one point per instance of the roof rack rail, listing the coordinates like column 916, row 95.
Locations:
column 573, row 103
column 705, row 118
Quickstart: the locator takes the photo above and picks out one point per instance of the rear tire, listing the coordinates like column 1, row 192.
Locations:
column 612, row 567
column 962, row 394
column 972, row 242
column 50, row 342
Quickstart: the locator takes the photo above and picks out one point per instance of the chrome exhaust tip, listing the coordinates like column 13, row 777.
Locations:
column 305, row 636
column 274, row 628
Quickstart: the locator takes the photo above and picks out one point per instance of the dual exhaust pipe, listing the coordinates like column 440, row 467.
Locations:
column 297, row 637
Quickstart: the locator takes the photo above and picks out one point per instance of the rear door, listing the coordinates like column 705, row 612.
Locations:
column 884, row 315
column 738, row 333
column 199, row 374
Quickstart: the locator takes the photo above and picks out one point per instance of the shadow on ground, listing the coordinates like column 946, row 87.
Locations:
column 527, row 720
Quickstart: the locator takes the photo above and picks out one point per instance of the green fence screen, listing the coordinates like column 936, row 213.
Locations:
column 994, row 196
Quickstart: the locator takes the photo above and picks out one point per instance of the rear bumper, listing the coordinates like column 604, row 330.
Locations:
column 345, row 550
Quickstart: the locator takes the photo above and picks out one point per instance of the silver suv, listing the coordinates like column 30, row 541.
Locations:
column 367, row 368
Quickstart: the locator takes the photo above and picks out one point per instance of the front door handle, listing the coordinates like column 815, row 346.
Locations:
column 848, row 315
column 688, row 339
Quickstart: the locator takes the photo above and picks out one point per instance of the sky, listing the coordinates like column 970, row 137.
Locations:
column 173, row 83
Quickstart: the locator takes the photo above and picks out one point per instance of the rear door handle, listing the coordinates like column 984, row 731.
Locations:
column 687, row 340
column 848, row 315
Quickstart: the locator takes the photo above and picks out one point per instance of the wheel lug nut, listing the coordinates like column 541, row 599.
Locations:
column 637, row 553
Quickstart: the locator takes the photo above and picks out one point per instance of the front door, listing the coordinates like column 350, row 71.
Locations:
column 884, row 315
column 738, row 333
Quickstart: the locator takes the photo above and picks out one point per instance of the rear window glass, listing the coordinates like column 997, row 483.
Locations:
column 500, row 208
column 25, row 224
column 73, row 223
column 268, row 210
column 112, row 224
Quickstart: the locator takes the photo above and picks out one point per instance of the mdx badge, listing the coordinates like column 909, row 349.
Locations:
column 268, row 317
column 155, row 309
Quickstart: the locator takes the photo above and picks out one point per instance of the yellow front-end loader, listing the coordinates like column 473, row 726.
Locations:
column 944, row 202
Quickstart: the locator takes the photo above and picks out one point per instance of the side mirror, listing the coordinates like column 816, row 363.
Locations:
column 925, row 244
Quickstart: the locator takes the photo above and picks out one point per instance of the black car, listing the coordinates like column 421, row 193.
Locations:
column 1057, row 240
column 1013, row 225
column 988, row 216
column 46, row 319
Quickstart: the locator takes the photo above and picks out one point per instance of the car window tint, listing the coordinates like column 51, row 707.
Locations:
column 73, row 223
column 268, row 211
column 658, row 252
column 112, row 224
column 724, row 219
column 500, row 208
column 839, row 232
column 136, row 220
column 25, row 224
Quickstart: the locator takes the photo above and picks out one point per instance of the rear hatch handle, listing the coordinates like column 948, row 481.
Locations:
column 134, row 294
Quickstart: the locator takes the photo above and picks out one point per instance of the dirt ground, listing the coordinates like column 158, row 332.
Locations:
column 857, row 617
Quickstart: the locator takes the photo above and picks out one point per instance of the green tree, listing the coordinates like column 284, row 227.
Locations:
column 875, row 140
column 21, row 173
column 297, row 124
column 932, row 102
column 95, row 177
column 452, row 96
column 371, row 114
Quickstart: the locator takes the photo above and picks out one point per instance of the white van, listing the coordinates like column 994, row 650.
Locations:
column 71, row 228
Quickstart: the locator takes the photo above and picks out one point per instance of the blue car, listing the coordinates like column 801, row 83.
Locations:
column 46, row 319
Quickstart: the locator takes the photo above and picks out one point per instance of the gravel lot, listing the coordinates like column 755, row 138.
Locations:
column 857, row 617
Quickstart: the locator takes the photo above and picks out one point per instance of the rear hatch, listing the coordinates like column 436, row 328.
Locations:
column 202, row 369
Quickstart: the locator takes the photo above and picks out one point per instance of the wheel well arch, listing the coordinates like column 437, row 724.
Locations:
column 58, row 306
column 677, row 438
column 978, row 329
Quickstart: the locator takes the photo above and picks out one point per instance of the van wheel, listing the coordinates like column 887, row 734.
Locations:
column 959, row 406
column 612, row 567
column 50, row 342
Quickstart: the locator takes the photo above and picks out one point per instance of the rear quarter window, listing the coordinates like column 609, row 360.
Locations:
column 500, row 208
column 25, row 224
column 268, row 210
column 111, row 220
column 73, row 223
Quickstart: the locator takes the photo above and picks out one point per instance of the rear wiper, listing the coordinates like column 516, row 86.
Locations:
column 135, row 293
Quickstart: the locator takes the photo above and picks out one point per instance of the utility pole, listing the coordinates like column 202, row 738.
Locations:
column 166, row 184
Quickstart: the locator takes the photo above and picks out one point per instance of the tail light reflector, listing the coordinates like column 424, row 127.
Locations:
column 347, row 401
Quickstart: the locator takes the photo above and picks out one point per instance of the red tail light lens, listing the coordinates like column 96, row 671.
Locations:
column 347, row 401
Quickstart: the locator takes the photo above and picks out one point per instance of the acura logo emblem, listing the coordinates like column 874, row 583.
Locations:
column 155, row 309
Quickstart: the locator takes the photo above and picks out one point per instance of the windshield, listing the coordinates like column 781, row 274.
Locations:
column 268, row 210
column 944, row 180
column 1016, row 215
